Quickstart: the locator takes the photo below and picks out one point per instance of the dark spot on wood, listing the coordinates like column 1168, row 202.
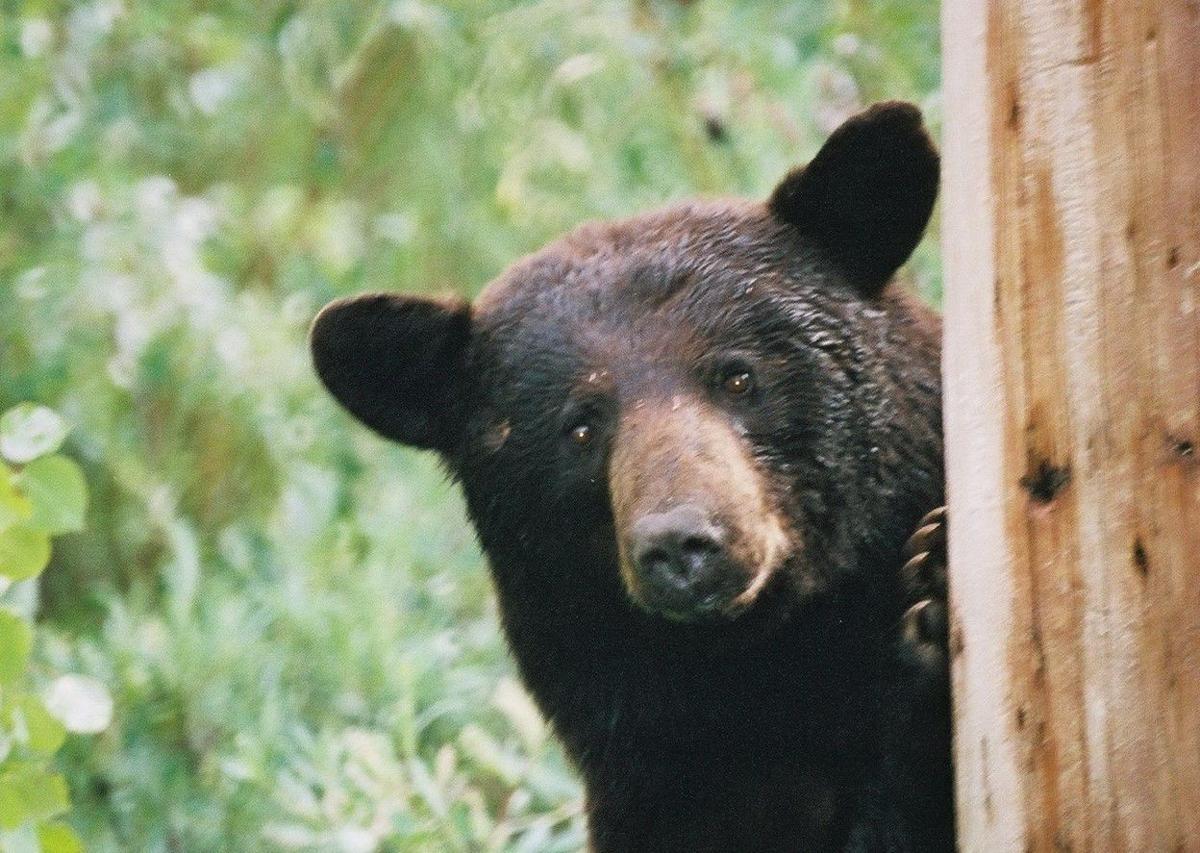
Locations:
column 1173, row 258
column 1021, row 717
column 1140, row 559
column 1045, row 481
column 957, row 643
column 1180, row 451
column 1131, row 230
column 1014, row 113
column 1039, row 656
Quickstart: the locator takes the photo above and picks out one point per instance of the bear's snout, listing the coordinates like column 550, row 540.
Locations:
column 698, row 533
column 682, row 562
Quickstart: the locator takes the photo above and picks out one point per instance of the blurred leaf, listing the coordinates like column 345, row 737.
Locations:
column 58, row 837
column 16, row 640
column 28, row 431
column 23, row 839
column 29, row 793
column 58, row 493
column 14, row 507
column 487, row 751
column 24, row 552
column 43, row 733
column 524, row 716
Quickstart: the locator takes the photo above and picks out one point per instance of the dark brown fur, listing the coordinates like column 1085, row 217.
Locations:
column 778, row 710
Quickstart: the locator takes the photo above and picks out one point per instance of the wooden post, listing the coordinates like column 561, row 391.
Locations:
column 1071, row 237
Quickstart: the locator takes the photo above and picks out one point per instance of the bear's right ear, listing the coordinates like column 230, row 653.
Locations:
column 866, row 197
column 396, row 363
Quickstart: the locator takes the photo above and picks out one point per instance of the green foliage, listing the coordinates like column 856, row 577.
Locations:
column 41, row 494
column 293, row 617
column 16, row 641
column 57, row 494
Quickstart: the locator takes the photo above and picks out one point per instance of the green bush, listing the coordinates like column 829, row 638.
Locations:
column 292, row 616
column 42, row 494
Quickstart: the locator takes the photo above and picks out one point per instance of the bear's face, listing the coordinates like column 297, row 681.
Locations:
column 633, row 391
column 666, row 412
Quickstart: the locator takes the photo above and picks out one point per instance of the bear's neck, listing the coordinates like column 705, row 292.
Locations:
column 664, row 720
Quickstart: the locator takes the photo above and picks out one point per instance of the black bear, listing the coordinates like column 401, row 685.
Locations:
column 693, row 444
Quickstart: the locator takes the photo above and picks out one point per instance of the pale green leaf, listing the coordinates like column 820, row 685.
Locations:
column 58, row 837
column 28, row 431
column 23, row 839
column 16, row 640
column 30, row 793
column 24, row 552
column 57, row 492
column 42, row 731
column 14, row 507
column 518, row 707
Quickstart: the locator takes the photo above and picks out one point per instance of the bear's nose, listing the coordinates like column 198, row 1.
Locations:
column 680, row 559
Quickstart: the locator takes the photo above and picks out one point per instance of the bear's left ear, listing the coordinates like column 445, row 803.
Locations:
column 866, row 197
column 397, row 363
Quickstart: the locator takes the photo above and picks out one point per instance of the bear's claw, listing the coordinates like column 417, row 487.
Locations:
column 930, row 535
column 924, row 579
column 925, row 623
column 922, row 733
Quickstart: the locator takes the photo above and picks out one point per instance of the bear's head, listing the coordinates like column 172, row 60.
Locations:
column 686, row 414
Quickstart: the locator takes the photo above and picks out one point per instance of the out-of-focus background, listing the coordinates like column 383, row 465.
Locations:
column 261, row 627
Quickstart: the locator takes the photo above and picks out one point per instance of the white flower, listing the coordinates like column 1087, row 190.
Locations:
column 414, row 15
column 36, row 36
column 59, row 131
column 154, row 197
column 355, row 839
column 339, row 239
column 211, row 88
column 196, row 219
column 81, row 703
column 31, row 284
column 398, row 227
column 28, row 431
column 85, row 200
column 847, row 44
column 576, row 68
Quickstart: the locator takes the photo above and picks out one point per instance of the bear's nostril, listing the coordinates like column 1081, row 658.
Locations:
column 661, row 562
column 698, row 545
column 677, row 550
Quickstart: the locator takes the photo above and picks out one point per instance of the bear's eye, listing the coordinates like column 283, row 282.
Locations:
column 581, row 435
column 583, row 423
column 732, row 374
column 738, row 383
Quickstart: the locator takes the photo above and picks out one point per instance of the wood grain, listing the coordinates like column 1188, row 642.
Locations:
column 1071, row 238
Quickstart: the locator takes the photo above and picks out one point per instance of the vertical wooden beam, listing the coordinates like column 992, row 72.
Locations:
column 1071, row 238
